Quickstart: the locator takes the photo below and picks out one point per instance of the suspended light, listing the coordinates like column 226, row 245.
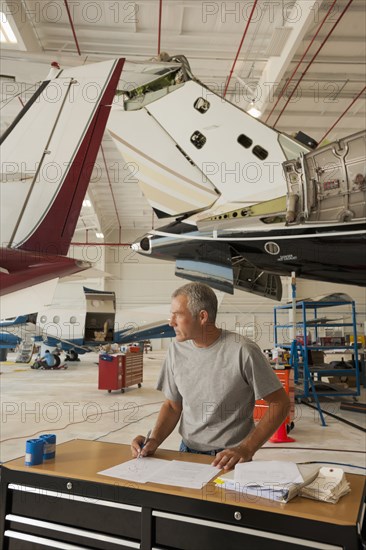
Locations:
column 99, row 235
column 87, row 203
column 254, row 111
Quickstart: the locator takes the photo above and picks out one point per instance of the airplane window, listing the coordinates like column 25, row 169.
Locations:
column 245, row 141
column 73, row 319
column 56, row 319
column 43, row 319
column 201, row 105
column 259, row 152
column 198, row 139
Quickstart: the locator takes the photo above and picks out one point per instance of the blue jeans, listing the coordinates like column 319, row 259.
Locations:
column 184, row 449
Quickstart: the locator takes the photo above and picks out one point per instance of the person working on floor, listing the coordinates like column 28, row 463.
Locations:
column 211, row 379
column 48, row 360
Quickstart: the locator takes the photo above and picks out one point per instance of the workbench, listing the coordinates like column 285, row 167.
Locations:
column 64, row 503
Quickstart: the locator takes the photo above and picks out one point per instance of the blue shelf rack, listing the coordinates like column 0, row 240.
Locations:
column 309, row 376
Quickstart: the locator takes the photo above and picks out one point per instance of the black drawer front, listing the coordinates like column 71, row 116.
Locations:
column 17, row 541
column 15, row 544
column 106, row 519
column 18, row 527
column 184, row 535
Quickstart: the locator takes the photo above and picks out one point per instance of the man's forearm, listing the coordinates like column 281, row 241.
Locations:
column 166, row 422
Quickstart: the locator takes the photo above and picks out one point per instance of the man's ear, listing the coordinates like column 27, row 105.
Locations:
column 203, row 317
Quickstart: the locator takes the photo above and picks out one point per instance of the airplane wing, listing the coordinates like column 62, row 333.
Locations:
column 53, row 341
column 8, row 340
column 159, row 329
column 22, row 327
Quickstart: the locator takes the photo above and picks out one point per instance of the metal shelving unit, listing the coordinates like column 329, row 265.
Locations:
column 310, row 375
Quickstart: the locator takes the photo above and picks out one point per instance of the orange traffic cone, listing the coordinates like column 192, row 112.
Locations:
column 280, row 436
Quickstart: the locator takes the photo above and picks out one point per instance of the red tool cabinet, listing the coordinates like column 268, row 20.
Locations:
column 286, row 377
column 117, row 372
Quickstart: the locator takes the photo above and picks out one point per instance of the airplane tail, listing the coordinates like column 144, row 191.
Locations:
column 48, row 154
column 195, row 151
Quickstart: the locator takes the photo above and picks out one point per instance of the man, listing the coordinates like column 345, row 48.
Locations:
column 48, row 361
column 211, row 379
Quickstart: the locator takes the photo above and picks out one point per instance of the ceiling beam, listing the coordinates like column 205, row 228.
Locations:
column 277, row 66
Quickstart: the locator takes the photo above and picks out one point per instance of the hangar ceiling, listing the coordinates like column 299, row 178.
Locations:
column 302, row 64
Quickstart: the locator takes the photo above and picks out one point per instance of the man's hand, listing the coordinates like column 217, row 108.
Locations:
column 229, row 457
column 278, row 408
column 166, row 422
column 139, row 449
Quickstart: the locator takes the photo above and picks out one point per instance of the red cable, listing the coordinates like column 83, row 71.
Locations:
column 159, row 31
column 240, row 46
column 72, row 27
column 301, row 60
column 312, row 60
column 342, row 115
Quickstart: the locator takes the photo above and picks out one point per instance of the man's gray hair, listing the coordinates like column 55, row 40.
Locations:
column 199, row 297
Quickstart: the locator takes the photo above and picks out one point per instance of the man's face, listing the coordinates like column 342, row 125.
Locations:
column 185, row 325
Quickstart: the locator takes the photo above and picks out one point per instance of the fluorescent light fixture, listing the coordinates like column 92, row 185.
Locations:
column 87, row 203
column 253, row 111
column 99, row 235
column 7, row 35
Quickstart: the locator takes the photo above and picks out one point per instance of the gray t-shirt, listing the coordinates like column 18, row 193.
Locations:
column 217, row 387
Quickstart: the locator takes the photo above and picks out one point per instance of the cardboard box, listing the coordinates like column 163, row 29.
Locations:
column 315, row 357
column 332, row 340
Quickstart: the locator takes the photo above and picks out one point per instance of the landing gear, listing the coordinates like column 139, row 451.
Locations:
column 72, row 356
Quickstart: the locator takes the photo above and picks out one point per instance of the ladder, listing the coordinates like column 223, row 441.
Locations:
column 25, row 352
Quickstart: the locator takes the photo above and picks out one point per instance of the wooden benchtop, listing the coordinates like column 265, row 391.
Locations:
column 81, row 460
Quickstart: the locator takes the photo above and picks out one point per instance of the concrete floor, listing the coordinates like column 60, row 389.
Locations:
column 69, row 404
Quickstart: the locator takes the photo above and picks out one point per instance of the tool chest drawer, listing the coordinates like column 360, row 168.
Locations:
column 175, row 531
column 57, row 515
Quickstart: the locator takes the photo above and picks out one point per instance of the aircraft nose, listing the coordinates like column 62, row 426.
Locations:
column 142, row 246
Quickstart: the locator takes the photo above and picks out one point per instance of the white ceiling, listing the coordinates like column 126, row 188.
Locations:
column 209, row 34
